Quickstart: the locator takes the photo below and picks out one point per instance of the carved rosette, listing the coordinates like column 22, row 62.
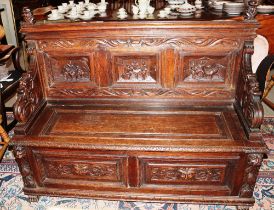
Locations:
column 20, row 155
column 28, row 17
column 187, row 174
column 249, row 97
column 251, row 9
column 28, row 93
column 253, row 165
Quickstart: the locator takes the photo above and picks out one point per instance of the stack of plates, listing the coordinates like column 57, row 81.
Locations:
column 265, row 9
column 233, row 8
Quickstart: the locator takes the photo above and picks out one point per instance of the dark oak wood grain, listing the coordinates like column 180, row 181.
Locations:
column 162, row 110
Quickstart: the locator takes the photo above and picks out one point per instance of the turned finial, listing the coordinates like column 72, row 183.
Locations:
column 251, row 9
column 27, row 15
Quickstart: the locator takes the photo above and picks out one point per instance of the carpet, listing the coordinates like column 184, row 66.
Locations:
column 13, row 198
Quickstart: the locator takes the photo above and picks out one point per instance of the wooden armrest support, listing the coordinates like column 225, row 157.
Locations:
column 29, row 93
column 248, row 104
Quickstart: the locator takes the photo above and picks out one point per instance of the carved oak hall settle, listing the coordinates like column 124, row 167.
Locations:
column 152, row 110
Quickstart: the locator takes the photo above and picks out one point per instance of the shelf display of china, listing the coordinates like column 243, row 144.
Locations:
column 266, row 9
column 174, row 4
column 186, row 9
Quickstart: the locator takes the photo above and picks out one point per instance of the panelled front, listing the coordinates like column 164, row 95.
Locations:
column 58, row 168
column 186, row 67
column 184, row 173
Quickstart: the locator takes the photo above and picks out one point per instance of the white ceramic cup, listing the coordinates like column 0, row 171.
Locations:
column 64, row 5
column 71, row 3
column 54, row 13
column 60, row 8
column 150, row 10
column 86, row 13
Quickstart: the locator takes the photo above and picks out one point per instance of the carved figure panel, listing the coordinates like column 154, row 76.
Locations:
column 68, row 69
column 92, row 170
column 172, row 174
column 136, row 69
column 204, row 69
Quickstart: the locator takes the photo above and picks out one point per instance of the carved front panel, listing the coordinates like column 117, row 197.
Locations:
column 205, row 69
column 189, row 170
column 136, row 69
column 73, row 166
column 184, row 173
column 68, row 69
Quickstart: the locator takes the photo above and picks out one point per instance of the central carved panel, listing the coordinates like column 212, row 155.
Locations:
column 135, row 69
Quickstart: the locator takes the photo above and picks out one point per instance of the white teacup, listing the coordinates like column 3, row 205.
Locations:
column 54, row 13
column 60, row 8
column 64, row 5
column 150, row 10
column 86, row 13
column 135, row 10
column 167, row 10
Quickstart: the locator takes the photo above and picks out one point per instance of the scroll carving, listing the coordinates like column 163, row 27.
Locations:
column 187, row 174
column 173, row 42
column 205, row 69
column 28, row 93
column 251, row 9
column 137, row 42
column 249, row 96
column 82, row 169
column 20, row 155
column 253, row 164
column 28, row 17
column 161, row 92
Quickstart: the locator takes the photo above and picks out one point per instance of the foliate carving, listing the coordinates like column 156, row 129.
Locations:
column 66, row 44
column 20, row 155
column 76, row 70
column 161, row 92
column 28, row 93
column 174, row 42
column 186, row 174
column 27, row 16
column 251, row 9
column 250, row 94
column 250, row 175
column 137, row 42
column 136, row 72
column 82, row 169
column 205, row 69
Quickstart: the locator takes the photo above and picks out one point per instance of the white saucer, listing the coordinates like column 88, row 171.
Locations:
column 59, row 17
column 122, row 16
column 83, row 17
column 72, row 17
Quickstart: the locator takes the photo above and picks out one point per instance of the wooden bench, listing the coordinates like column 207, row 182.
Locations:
column 160, row 110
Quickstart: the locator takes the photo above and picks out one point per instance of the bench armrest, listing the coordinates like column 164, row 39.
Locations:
column 29, row 93
column 248, row 96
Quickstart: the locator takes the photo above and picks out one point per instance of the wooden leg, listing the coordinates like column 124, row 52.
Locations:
column 33, row 198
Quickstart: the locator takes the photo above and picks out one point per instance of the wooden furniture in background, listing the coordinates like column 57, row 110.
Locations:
column 8, row 88
column 153, row 110
column 267, row 30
